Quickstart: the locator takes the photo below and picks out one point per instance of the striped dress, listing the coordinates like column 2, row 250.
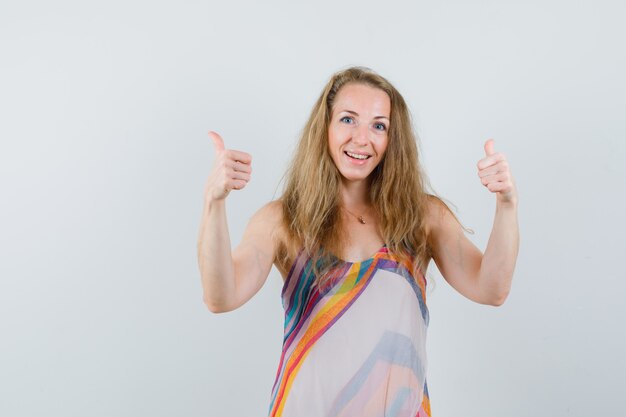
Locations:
column 355, row 348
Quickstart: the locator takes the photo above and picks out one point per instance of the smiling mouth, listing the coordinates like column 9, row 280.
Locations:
column 357, row 156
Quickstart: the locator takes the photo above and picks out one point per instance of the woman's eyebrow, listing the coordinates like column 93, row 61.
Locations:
column 356, row 114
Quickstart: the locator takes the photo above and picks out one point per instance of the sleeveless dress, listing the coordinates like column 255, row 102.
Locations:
column 357, row 347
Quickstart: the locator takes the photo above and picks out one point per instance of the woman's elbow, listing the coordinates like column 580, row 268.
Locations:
column 216, row 307
column 498, row 299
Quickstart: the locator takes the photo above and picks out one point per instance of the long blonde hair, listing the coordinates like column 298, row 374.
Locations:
column 311, row 196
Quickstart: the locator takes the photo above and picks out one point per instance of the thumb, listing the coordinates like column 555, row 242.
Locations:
column 489, row 147
column 217, row 141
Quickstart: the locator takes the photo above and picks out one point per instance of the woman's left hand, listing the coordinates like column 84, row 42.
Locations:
column 495, row 174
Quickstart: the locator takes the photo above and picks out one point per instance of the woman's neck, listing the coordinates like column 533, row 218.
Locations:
column 355, row 194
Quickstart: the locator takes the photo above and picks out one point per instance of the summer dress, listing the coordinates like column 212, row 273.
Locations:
column 357, row 347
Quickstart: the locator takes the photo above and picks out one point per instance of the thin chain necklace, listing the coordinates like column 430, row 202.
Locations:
column 359, row 218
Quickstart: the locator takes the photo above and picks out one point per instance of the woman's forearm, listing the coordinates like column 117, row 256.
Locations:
column 215, row 257
column 498, row 263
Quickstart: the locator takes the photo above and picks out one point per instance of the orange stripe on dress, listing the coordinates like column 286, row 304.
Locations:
column 325, row 317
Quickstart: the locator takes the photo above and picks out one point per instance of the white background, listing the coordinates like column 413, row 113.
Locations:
column 104, row 109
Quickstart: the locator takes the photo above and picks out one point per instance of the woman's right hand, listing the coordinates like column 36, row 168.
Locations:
column 231, row 170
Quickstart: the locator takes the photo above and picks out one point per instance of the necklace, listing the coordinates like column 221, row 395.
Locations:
column 359, row 218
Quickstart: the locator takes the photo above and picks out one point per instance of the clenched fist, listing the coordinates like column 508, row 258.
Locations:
column 231, row 170
column 495, row 174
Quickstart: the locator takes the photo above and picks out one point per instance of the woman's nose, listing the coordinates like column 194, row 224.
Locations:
column 360, row 136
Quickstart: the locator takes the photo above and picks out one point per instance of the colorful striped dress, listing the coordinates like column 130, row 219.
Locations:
column 357, row 347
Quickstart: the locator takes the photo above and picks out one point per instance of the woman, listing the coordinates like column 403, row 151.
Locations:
column 352, row 236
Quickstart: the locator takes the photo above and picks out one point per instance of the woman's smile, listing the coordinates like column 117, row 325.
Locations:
column 357, row 157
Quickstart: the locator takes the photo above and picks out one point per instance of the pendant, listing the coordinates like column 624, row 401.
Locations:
column 361, row 220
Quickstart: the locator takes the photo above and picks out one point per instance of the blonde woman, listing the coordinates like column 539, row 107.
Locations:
column 352, row 236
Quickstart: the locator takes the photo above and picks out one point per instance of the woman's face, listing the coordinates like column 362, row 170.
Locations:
column 358, row 130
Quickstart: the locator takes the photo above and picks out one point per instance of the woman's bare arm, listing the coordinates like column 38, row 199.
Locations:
column 486, row 278
column 230, row 278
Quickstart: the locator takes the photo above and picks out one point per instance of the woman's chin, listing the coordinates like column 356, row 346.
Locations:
column 352, row 177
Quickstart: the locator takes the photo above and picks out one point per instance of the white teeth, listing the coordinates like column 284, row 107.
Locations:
column 357, row 156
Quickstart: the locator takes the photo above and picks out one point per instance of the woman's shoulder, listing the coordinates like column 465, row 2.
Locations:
column 437, row 214
column 272, row 218
column 272, row 211
column 433, row 209
column 435, row 205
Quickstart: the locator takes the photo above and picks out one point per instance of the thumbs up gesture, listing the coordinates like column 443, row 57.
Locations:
column 494, row 174
column 231, row 170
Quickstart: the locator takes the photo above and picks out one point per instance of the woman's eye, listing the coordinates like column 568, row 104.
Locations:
column 380, row 126
column 346, row 119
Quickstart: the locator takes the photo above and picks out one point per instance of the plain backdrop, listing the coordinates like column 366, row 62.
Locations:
column 104, row 113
